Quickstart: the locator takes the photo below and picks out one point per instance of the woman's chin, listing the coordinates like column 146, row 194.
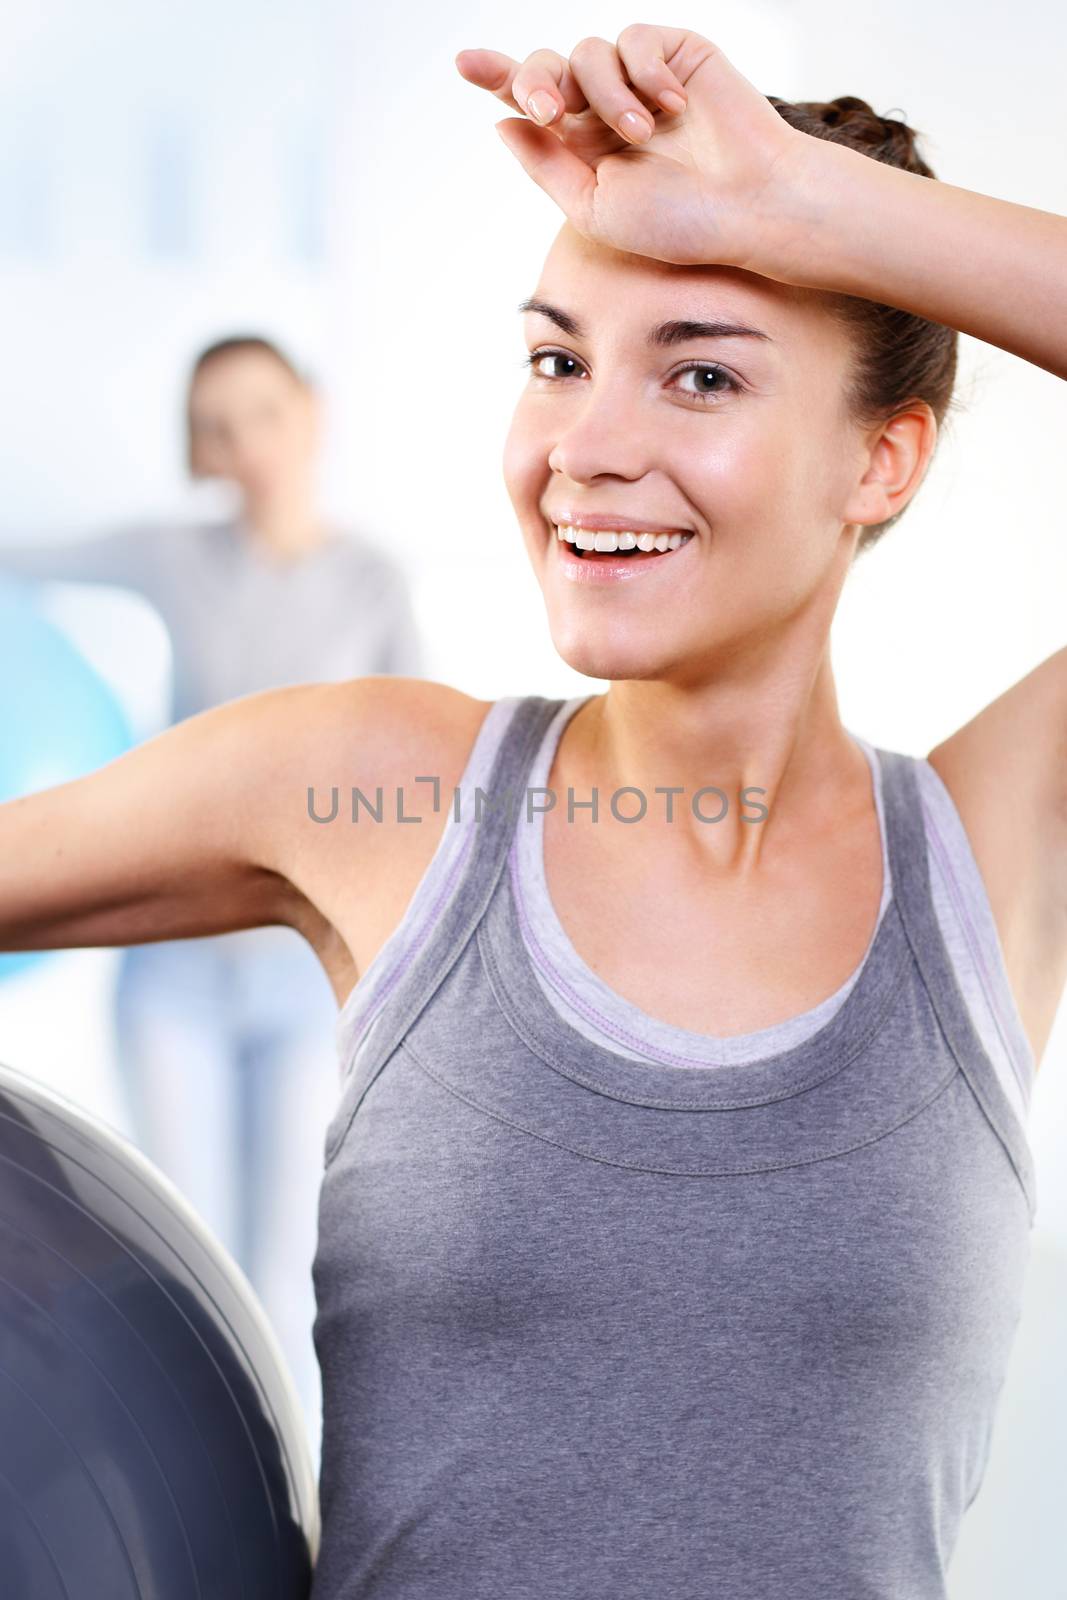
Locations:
column 611, row 661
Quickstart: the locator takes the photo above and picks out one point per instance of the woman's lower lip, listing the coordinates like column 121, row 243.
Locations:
column 608, row 568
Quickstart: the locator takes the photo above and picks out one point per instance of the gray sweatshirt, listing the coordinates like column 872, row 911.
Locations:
column 240, row 618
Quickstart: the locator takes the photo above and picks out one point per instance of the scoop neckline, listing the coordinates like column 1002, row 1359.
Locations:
column 783, row 1073
column 825, row 1053
column 689, row 1048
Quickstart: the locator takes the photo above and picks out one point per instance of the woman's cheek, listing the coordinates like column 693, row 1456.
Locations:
column 525, row 462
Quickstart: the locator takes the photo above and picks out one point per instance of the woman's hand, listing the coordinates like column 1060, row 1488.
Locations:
column 656, row 145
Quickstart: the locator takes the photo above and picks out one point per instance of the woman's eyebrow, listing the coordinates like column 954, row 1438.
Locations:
column 664, row 334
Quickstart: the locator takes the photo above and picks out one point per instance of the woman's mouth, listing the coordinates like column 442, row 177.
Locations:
column 585, row 556
column 625, row 541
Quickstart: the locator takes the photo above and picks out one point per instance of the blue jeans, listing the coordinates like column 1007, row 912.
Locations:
column 227, row 1057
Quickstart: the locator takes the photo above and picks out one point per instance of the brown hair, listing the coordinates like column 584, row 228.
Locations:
column 235, row 344
column 898, row 356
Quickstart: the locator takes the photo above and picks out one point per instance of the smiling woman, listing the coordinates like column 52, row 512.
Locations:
column 594, row 536
column 788, row 1065
column 730, row 419
column 678, row 1197
column 895, row 356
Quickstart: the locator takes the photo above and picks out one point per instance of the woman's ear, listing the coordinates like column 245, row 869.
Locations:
column 898, row 453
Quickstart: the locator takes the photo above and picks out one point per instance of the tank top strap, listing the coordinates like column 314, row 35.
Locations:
column 909, row 864
column 479, row 870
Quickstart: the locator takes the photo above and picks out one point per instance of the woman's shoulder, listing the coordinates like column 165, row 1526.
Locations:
column 400, row 731
column 368, row 755
column 381, row 727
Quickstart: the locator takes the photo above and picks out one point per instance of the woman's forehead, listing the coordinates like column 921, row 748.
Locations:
column 240, row 371
column 601, row 288
column 578, row 264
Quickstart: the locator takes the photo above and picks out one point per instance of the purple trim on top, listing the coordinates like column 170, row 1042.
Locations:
column 1024, row 1075
column 580, row 1004
column 429, row 921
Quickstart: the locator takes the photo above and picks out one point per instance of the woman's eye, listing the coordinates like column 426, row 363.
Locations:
column 534, row 363
column 718, row 376
column 710, row 381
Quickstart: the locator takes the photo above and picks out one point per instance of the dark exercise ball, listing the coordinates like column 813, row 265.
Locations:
column 151, row 1443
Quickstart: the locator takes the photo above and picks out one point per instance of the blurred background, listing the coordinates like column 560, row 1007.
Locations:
column 318, row 173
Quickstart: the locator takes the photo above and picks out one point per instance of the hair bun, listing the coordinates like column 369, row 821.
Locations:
column 852, row 121
column 888, row 135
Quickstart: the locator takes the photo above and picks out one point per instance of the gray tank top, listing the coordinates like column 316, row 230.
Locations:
column 599, row 1329
column 964, row 917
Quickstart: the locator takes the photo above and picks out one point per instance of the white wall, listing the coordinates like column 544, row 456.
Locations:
column 322, row 171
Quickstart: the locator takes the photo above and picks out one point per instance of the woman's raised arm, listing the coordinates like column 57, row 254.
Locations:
column 715, row 175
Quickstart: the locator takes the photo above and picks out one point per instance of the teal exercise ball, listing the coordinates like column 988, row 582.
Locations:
column 58, row 718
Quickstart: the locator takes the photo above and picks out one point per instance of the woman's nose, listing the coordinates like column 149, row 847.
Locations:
column 601, row 436
column 251, row 454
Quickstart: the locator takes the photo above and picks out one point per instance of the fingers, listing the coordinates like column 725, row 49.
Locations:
column 565, row 177
column 642, row 51
column 598, row 72
column 489, row 70
column 625, row 84
column 543, row 85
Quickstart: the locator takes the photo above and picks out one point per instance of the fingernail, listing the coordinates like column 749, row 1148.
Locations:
column 636, row 126
column 671, row 100
column 541, row 106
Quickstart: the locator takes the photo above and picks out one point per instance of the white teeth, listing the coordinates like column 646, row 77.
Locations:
column 625, row 539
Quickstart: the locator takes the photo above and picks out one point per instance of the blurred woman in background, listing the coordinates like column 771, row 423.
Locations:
column 226, row 1044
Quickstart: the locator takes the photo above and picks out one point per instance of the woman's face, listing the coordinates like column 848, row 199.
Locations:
column 758, row 460
column 253, row 422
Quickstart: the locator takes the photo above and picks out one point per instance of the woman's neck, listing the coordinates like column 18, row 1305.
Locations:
column 777, row 735
column 284, row 527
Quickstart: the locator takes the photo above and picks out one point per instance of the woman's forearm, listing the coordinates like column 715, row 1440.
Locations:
column 984, row 266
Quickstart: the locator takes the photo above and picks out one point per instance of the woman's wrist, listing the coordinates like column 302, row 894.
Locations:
column 826, row 217
column 838, row 220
